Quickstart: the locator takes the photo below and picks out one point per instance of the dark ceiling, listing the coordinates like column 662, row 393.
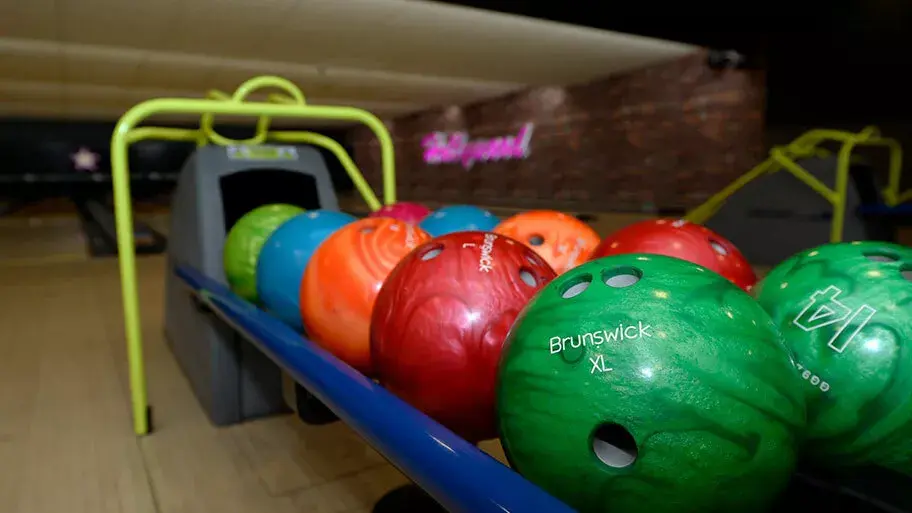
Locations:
column 865, row 23
column 841, row 60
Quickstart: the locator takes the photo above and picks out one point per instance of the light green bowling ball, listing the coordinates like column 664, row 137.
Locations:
column 245, row 241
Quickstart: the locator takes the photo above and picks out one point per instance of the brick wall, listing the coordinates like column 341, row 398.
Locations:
column 665, row 137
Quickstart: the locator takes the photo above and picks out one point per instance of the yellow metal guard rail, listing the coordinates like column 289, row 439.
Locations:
column 806, row 146
column 290, row 104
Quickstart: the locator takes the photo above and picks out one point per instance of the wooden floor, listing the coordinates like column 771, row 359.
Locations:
column 66, row 442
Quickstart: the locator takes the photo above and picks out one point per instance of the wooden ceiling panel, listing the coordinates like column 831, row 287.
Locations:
column 473, row 44
column 28, row 18
column 98, row 94
column 22, row 66
column 319, row 89
column 89, row 68
column 417, row 95
column 414, row 83
column 336, row 33
column 228, row 78
column 55, row 110
column 378, row 108
column 87, row 110
column 240, row 32
column 107, row 100
column 115, row 23
column 431, row 39
column 167, row 72
column 12, row 91
column 387, row 56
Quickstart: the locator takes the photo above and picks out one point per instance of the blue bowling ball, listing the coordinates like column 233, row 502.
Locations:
column 458, row 218
column 284, row 257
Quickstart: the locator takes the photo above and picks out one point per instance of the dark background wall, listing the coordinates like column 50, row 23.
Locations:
column 37, row 163
column 665, row 138
column 848, row 87
column 854, row 83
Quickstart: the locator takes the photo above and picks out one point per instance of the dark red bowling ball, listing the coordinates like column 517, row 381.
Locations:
column 441, row 319
column 681, row 239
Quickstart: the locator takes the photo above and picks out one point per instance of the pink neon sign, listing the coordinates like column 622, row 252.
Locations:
column 444, row 148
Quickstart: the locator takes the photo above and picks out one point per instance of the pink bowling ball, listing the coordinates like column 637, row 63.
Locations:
column 403, row 211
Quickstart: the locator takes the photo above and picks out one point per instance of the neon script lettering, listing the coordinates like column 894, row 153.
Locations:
column 444, row 148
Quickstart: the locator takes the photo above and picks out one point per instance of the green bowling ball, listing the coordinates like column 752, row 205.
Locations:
column 845, row 310
column 245, row 241
column 647, row 384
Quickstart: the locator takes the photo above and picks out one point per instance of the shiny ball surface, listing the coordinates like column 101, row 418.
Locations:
column 648, row 384
column 845, row 310
column 284, row 257
column 342, row 280
column 458, row 218
column 440, row 322
column 403, row 211
column 681, row 239
column 561, row 239
column 245, row 241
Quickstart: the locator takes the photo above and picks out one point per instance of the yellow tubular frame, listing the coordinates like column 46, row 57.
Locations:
column 291, row 104
column 808, row 145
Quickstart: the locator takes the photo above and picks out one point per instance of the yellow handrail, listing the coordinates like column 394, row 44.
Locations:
column 289, row 105
column 806, row 146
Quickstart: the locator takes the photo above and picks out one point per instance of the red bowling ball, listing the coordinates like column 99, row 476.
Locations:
column 441, row 319
column 681, row 239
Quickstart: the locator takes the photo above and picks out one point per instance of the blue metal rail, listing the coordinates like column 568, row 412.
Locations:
column 456, row 473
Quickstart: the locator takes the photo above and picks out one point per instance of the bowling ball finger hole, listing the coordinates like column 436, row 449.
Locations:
column 431, row 253
column 536, row 240
column 880, row 256
column 718, row 247
column 621, row 277
column 528, row 277
column 576, row 286
column 614, row 446
column 906, row 272
column 367, row 229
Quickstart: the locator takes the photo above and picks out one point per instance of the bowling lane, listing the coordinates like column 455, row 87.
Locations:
column 49, row 231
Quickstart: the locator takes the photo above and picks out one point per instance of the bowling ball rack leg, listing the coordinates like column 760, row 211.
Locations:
column 408, row 498
column 310, row 409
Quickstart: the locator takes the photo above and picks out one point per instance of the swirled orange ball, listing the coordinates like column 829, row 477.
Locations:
column 561, row 239
column 341, row 283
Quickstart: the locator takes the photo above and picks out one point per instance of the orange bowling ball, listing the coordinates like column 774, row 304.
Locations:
column 341, row 283
column 561, row 239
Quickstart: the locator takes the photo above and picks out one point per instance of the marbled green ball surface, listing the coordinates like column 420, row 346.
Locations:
column 685, row 362
column 845, row 310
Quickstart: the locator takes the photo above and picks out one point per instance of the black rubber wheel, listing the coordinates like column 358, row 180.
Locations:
column 149, row 424
column 311, row 410
column 408, row 499
column 199, row 305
